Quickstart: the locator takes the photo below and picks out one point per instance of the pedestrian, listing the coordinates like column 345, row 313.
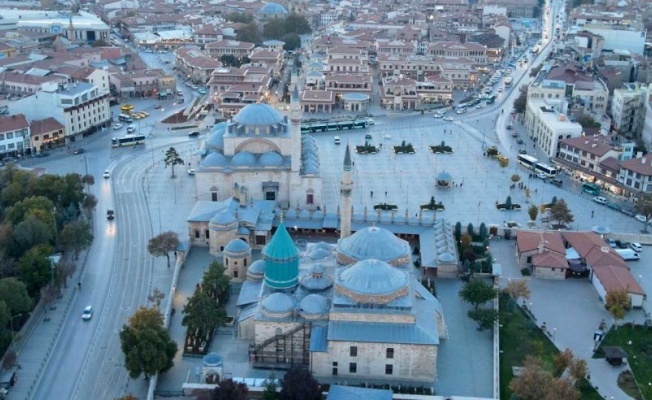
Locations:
column 385, row 193
column 461, row 184
column 372, row 194
column 79, row 286
column 592, row 212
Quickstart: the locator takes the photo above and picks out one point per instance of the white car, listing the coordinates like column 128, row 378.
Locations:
column 437, row 115
column 106, row 174
column 88, row 313
column 641, row 218
column 636, row 247
column 601, row 200
column 117, row 126
column 448, row 119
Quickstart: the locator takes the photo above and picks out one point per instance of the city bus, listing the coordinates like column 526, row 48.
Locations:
column 546, row 169
column 128, row 140
column 591, row 188
column 335, row 125
column 528, row 162
column 125, row 118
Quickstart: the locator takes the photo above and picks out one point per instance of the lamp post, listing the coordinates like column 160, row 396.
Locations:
column 554, row 334
column 11, row 326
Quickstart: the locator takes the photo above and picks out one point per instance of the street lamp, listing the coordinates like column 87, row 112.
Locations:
column 11, row 325
column 554, row 334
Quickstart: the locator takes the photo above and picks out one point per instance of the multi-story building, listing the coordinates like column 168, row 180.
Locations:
column 386, row 46
column 636, row 176
column 514, row 8
column 194, row 64
column 233, row 48
column 435, row 89
column 413, row 66
column 584, row 92
column 16, row 83
column 628, row 109
column 399, row 93
column 475, row 52
column 147, row 83
column 233, row 88
column 268, row 57
column 207, row 34
column 344, row 82
column 46, row 133
column 548, row 126
column 81, row 27
column 459, row 72
column 346, row 59
column 14, row 135
column 80, row 107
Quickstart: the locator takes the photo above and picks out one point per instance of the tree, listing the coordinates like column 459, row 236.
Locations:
column 240, row 17
column 216, row 282
column 100, row 43
column 299, row 384
column 76, row 236
column 249, row 33
column 618, row 303
column 521, row 101
column 562, row 361
column 27, row 234
column 458, row 230
column 559, row 212
column 36, row 268
column 270, row 392
column 229, row 60
column 163, row 244
column 292, row 41
column 517, row 289
column 483, row 233
column 533, row 212
column 227, row 390
column 477, row 292
column 578, row 369
column 14, row 293
column 202, row 315
column 65, row 269
column 146, row 344
column 172, row 158
column 644, row 207
column 484, row 317
column 88, row 204
column 515, row 178
column 156, row 297
column 508, row 202
column 587, row 121
column 469, row 230
column 533, row 383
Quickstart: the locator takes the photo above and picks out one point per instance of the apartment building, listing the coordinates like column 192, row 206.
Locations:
column 233, row 88
column 344, row 82
column 584, row 92
column 46, row 133
column 207, row 34
column 402, row 47
column 267, row 57
column 548, row 126
column 460, row 72
column 413, row 66
column 399, row 93
column 514, row 8
column 14, row 135
column 80, row 107
column 473, row 51
column 194, row 64
column 21, row 84
column 435, row 89
column 146, row 83
column 346, row 59
column 628, row 109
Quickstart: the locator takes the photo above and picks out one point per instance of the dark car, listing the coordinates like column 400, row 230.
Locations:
column 40, row 155
column 509, row 127
column 180, row 101
column 368, row 136
column 613, row 206
column 556, row 182
column 79, row 151
column 622, row 245
column 630, row 213
column 194, row 134
column 110, row 214
column 519, row 141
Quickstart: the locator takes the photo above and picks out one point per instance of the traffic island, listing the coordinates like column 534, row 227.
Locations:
column 442, row 148
column 366, row 149
column 404, row 148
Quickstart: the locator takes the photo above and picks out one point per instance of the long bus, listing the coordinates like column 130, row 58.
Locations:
column 125, row 118
column 128, row 140
column 591, row 188
column 546, row 169
column 527, row 161
column 334, row 125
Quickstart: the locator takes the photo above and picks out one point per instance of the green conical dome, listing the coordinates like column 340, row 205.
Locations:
column 281, row 260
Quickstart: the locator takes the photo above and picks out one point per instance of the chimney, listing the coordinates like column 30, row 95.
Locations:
column 540, row 247
column 643, row 160
column 605, row 249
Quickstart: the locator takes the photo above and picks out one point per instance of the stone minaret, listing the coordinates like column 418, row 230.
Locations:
column 295, row 126
column 346, row 187
column 71, row 30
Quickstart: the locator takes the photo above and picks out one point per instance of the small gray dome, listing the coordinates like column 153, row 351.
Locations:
column 311, row 168
column 323, row 245
column 273, row 8
column 223, row 218
column 257, row 268
column 374, row 242
column 314, row 304
column 258, row 114
column 318, row 269
column 304, row 215
column 216, row 138
column 243, row 159
column 237, row 246
column 278, row 303
column 372, row 277
column 214, row 160
column 319, row 254
column 317, row 215
column 271, row 159
column 291, row 214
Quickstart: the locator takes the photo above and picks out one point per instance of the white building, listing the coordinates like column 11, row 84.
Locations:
column 82, row 27
column 620, row 37
column 547, row 126
column 628, row 109
column 82, row 108
column 14, row 135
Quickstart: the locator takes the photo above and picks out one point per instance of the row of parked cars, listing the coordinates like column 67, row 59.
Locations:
column 631, row 213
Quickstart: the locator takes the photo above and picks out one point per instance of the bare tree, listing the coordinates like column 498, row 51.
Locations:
column 156, row 297
column 163, row 244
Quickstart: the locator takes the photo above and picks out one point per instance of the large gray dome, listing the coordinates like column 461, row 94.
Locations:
column 243, row 159
column 216, row 138
column 271, row 159
column 372, row 277
column 278, row 303
column 376, row 243
column 258, row 114
column 223, row 218
column 256, row 270
column 237, row 246
column 273, row 8
column 314, row 304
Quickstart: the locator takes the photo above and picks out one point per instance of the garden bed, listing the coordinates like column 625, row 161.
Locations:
column 404, row 148
column 385, row 207
column 366, row 149
column 506, row 207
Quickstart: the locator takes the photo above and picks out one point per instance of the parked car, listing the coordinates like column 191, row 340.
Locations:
column 636, row 247
column 611, row 242
column 600, row 200
column 509, row 127
column 194, row 134
column 157, row 106
column 628, row 212
column 438, row 115
column 640, row 218
column 522, row 151
column 368, row 136
column 106, row 174
column 556, row 182
column 448, row 119
column 622, row 245
column 117, row 126
column 110, row 214
column 79, row 151
column 613, row 206
column 519, row 141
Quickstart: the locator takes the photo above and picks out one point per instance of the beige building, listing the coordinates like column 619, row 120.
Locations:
column 194, row 64
column 628, row 108
column 46, row 133
column 233, row 48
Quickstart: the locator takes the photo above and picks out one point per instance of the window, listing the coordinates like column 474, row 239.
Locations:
column 206, row 234
column 353, row 368
column 235, row 273
column 196, row 233
column 310, row 198
column 335, row 368
column 389, row 369
column 390, row 352
column 353, row 351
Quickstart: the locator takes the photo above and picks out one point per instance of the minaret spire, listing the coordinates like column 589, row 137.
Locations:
column 346, row 187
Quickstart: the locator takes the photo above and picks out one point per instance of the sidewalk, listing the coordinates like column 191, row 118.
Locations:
column 37, row 338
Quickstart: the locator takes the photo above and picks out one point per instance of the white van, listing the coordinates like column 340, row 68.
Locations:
column 337, row 140
column 628, row 254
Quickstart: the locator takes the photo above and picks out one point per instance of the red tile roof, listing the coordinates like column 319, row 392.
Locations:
column 13, row 123
column 530, row 241
column 46, row 125
column 614, row 278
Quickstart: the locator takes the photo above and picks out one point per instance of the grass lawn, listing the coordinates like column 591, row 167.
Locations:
column 639, row 353
column 519, row 337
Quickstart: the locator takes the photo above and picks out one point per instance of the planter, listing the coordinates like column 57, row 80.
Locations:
column 441, row 149
column 503, row 207
column 385, row 207
column 430, row 207
column 366, row 149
